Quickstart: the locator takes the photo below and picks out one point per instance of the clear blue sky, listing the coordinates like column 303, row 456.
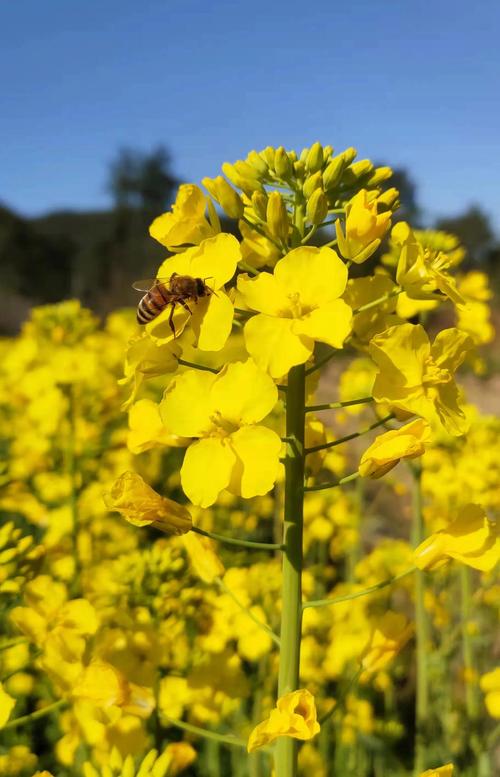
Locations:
column 413, row 83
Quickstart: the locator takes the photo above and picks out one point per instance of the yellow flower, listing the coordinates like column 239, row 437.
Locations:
column 298, row 305
column 391, row 633
column 186, row 223
column 7, row 704
column 204, row 560
column 362, row 291
column 471, row 538
column 140, row 505
column 223, row 410
column 421, row 271
column 229, row 200
column 364, row 228
column 256, row 249
column 211, row 317
column 388, row 449
column 439, row 771
column 490, row 685
column 294, row 716
column 105, row 686
column 419, row 377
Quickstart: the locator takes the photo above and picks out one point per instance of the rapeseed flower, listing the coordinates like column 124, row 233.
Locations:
column 364, row 228
column 294, row 716
column 211, row 317
column 299, row 304
column 419, row 377
column 234, row 451
column 390, row 635
column 185, row 224
column 490, row 685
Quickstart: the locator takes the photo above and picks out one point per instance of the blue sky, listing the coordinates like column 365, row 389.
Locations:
column 411, row 83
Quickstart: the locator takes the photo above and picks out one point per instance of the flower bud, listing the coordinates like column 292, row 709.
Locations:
column 258, row 163
column 259, row 204
column 140, row 505
column 313, row 182
column 314, row 158
column 268, row 155
column 229, row 200
column 390, row 199
column 349, row 155
column 317, row 207
column 358, row 170
column 379, row 174
column 327, row 152
column 277, row 217
column 242, row 176
column 282, row 163
column 333, row 173
column 299, row 169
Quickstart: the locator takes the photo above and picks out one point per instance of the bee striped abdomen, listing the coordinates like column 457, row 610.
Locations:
column 151, row 305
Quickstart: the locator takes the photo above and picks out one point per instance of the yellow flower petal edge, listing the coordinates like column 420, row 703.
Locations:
column 140, row 505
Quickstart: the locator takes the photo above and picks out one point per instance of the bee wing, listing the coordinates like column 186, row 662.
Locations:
column 148, row 283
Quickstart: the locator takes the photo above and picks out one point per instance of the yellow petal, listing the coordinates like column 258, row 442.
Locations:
column 243, row 393
column 330, row 323
column 258, row 450
column 274, row 346
column 206, row 470
column 212, row 320
column 215, row 260
column 264, row 293
column 317, row 274
column 186, row 406
column 203, row 557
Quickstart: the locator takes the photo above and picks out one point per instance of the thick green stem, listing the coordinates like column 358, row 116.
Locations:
column 422, row 631
column 291, row 620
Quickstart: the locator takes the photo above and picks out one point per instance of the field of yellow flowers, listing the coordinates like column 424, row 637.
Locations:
column 204, row 569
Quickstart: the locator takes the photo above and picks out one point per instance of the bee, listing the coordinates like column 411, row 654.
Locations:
column 161, row 292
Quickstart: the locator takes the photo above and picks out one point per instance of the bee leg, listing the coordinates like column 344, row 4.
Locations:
column 186, row 306
column 171, row 319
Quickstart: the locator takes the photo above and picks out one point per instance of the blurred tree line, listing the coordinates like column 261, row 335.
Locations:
column 96, row 255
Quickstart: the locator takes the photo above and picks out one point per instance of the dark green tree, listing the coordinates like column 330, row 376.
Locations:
column 474, row 229
column 142, row 181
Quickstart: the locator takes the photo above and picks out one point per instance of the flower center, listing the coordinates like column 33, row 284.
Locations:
column 221, row 427
column 433, row 375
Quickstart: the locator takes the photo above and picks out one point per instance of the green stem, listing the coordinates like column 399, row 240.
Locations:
column 321, row 362
column 240, row 543
column 340, row 440
column 371, row 589
column 194, row 366
column 36, row 715
column 337, row 405
column 422, row 631
column 291, row 619
column 270, row 633
column 309, row 235
column 342, row 697
column 227, row 739
column 247, row 268
column 333, row 484
column 13, row 643
column 471, row 700
column 378, row 301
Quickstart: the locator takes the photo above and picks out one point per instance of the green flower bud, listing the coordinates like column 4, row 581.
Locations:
column 311, row 183
column 282, row 163
column 390, row 199
column 333, row 173
column 229, row 200
column 357, row 171
column 317, row 207
column 259, row 204
column 379, row 174
column 299, row 169
column 314, row 158
column 277, row 217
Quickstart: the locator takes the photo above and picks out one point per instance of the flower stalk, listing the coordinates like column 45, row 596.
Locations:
column 291, row 622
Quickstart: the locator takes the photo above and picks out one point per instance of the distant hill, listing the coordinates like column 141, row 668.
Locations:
column 92, row 255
